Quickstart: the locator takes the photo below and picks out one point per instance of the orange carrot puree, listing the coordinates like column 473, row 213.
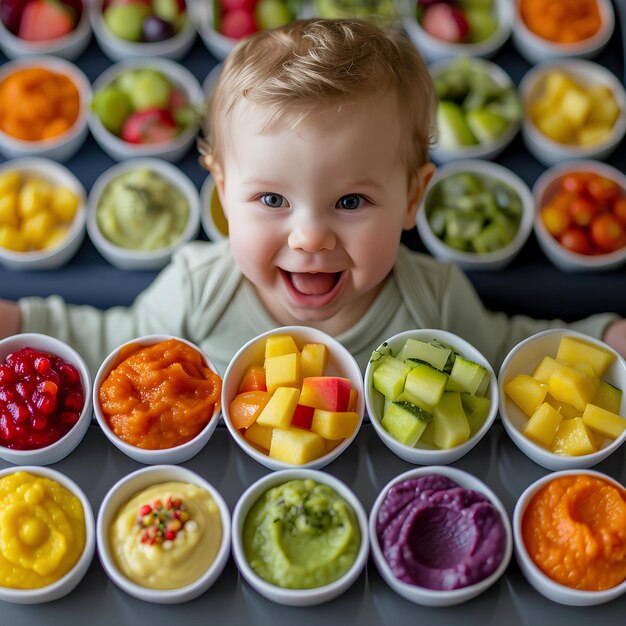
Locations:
column 575, row 531
column 160, row 396
column 562, row 21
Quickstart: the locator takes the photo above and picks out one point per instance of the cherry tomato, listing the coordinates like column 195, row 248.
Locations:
column 563, row 199
column 576, row 240
column 619, row 210
column 582, row 211
column 603, row 189
column 576, row 182
column 607, row 232
column 555, row 220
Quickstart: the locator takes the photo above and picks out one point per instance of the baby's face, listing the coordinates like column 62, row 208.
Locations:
column 315, row 213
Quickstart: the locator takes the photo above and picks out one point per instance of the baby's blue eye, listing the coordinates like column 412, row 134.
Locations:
column 273, row 200
column 351, row 202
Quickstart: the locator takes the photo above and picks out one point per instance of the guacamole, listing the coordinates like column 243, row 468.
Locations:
column 301, row 535
column 141, row 210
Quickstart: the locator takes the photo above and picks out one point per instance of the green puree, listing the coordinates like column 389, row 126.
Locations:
column 301, row 535
column 141, row 210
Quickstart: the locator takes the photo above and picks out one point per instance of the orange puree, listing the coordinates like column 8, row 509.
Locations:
column 160, row 396
column 575, row 531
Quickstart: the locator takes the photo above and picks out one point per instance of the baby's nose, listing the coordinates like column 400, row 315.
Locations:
column 312, row 235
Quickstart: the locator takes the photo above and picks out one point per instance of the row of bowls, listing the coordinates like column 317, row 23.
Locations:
column 531, row 46
column 523, row 359
column 98, row 534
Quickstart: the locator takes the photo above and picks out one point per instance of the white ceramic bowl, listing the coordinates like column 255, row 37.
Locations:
column 126, row 258
column 177, row 454
column 207, row 216
column 297, row 597
column 433, row 597
column 67, row 583
column 421, row 454
column 61, row 448
column 208, row 84
column 119, row 149
column 544, row 190
column 125, row 489
column 340, row 363
column 469, row 260
column 69, row 47
column 523, row 359
column 118, row 49
column 536, row 49
column 488, row 150
column 550, row 152
column 56, row 256
column 64, row 146
column 434, row 49
column 542, row 583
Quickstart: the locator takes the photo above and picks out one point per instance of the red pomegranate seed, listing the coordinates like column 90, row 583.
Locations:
column 26, row 390
column 7, row 394
column 69, row 373
column 46, row 404
column 69, row 418
column 18, row 411
column 73, row 401
column 39, row 422
column 7, row 375
column 42, row 364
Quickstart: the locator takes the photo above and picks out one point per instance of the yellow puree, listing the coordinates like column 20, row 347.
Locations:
column 189, row 555
column 42, row 531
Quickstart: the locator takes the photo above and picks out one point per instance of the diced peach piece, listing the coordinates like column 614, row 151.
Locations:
column 569, row 384
column 313, row 359
column 526, row 392
column 334, row 424
column 296, row 446
column 253, row 379
column 278, row 345
column 544, row 370
column 573, row 438
column 328, row 393
column 603, row 421
column 282, row 371
column 542, row 425
column 573, row 350
column 354, row 396
column 245, row 408
column 260, row 435
column 278, row 412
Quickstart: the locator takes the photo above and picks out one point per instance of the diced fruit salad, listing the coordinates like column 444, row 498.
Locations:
column 570, row 111
column 40, row 20
column 143, row 106
column 288, row 409
column 587, row 213
column 433, row 397
column 458, row 21
column 473, row 212
column 35, row 213
column 239, row 18
column 144, row 21
column 571, row 409
column 381, row 11
column 473, row 108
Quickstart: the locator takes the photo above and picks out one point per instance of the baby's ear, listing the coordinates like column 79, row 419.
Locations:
column 419, row 182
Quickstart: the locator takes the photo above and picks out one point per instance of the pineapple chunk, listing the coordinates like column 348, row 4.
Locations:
column 334, row 424
column 278, row 412
column 566, row 410
column 604, row 108
column 451, row 426
column 608, row 397
column 313, row 359
column 570, row 385
column 8, row 210
column 296, row 446
column 12, row 239
column 573, row 350
column 575, row 106
column 260, row 435
column 542, row 425
column 545, row 368
column 592, row 134
column 37, row 229
column 56, row 236
column 282, row 371
column 277, row 345
column 526, row 392
column 34, row 196
column 555, row 86
column 604, row 422
column 573, row 438
column 64, row 204
column 556, row 126
column 10, row 182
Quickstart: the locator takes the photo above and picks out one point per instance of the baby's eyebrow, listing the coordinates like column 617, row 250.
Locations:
column 259, row 182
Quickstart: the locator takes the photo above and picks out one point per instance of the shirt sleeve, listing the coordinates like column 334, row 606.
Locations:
column 495, row 334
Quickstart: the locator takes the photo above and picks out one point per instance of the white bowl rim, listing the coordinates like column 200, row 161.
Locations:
column 208, row 223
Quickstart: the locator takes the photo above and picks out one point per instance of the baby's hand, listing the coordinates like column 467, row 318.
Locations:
column 615, row 336
column 10, row 319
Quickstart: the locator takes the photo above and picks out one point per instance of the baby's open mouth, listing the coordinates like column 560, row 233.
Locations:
column 313, row 283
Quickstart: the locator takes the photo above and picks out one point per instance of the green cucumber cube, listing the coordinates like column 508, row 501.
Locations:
column 453, row 129
column 405, row 422
column 451, row 428
column 390, row 376
column 468, row 375
column 476, row 411
column 427, row 440
column 407, row 396
column 486, row 125
column 414, row 349
column 426, row 383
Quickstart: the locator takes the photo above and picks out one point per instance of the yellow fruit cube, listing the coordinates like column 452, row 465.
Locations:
column 34, row 196
column 608, row 397
column 8, row 210
column 12, row 239
column 566, row 410
column 37, row 228
column 573, row 438
column 331, row 444
column 556, row 126
column 542, row 425
column 427, row 439
column 545, row 368
column 570, row 385
column 277, row 345
column 56, row 236
column 592, row 134
column 604, row 108
column 555, row 85
column 573, row 350
column 451, row 426
column 603, row 421
column 575, row 106
column 354, row 396
column 259, row 435
column 278, row 412
column 282, row 371
column 526, row 392
column 334, row 424
column 296, row 446
column 313, row 359
column 10, row 182
column 64, row 204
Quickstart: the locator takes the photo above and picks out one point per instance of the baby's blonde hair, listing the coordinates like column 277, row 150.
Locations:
column 312, row 64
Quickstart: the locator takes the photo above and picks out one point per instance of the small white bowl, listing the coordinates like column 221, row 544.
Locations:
column 536, row 49
column 470, row 260
column 115, row 146
column 421, row 454
column 433, row 597
column 177, row 454
column 434, row 49
column 207, row 194
column 61, row 448
column 63, row 147
column 126, row 258
column 542, row 583
column 118, row 49
column 67, row 583
column 217, row 44
column 125, row 489
column 488, row 150
column 550, row 152
column 340, row 363
column 69, row 47
column 523, row 359
column 56, row 256
column 297, row 597
column 208, row 84
column 544, row 189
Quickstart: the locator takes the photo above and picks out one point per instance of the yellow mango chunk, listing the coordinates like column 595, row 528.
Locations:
column 313, row 359
column 282, row 371
column 592, row 134
column 56, row 236
column 603, row 421
column 566, row 410
column 277, row 345
column 8, row 210
column 542, row 425
column 526, row 392
column 10, row 182
column 544, row 370
column 64, row 204
column 604, row 108
column 296, row 446
column 34, row 196
column 37, row 228
column 570, row 385
column 573, row 438
column 575, row 106
column 608, row 397
column 278, row 412
column 573, row 350
column 556, row 127
column 12, row 239
column 260, row 435
column 354, row 396
column 334, row 424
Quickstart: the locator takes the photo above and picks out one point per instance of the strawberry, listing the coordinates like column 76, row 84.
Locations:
column 445, row 22
column 45, row 19
column 149, row 126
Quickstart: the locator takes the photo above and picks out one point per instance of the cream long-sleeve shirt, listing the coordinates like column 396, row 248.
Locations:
column 202, row 296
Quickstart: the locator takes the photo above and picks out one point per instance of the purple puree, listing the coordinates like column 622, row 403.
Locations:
column 438, row 535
